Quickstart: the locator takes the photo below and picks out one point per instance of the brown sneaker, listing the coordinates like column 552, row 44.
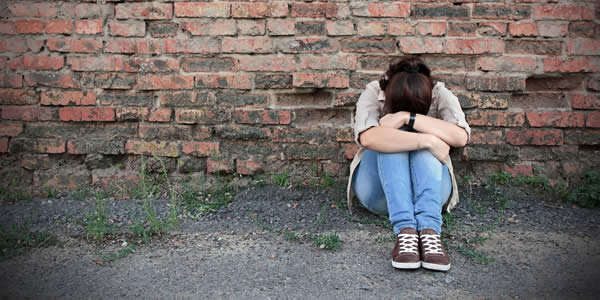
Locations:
column 433, row 254
column 406, row 251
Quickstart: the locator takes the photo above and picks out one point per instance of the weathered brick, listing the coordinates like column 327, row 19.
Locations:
column 248, row 167
column 583, row 47
column 130, row 28
column 105, row 146
column 87, row 11
column 129, row 98
column 259, row 10
column 390, row 10
column 332, row 80
column 201, row 116
column 476, row 46
column 20, row 44
column 310, row 28
column 535, row 137
column 370, row 28
column 163, row 29
column 219, row 166
column 519, row 170
column 592, row 83
column 10, row 129
column 269, row 117
column 323, row 117
column 245, row 133
column 376, row 63
column 432, row 28
column 581, row 101
column 308, row 45
column 272, row 81
column 247, row 45
column 421, row 45
column 118, row 81
column 346, row 99
column 8, row 27
column 210, row 27
column 49, row 63
column 63, row 80
column 462, row 29
column 491, row 100
column 165, row 132
column 556, row 119
column 507, row 64
column 441, row 12
column 563, row 82
column 68, row 98
column 88, row 26
column 486, row 136
column 200, row 148
column 491, row 152
column 360, row 80
column 492, row 29
column 237, row 100
column 338, row 28
column 495, row 118
column 582, row 137
column 493, row 11
column 338, row 62
column 151, row 65
column 350, row 150
column 209, row 64
column 251, row 27
column 494, row 83
column 281, row 27
column 139, row 46
column 143, row 114
column 18, row 97
column 370, row 45
column 197, row 45
column 552, row 29
column 144, row 11
column 593, row 119
column 50, row 146
column 523, row 29
column 571, row 65
column 161, row 82
column 322, row 99
column 314, row 10
column 74, row 45
column 400, row 28
column 29, row 26
column 202, row 9
column 450, row 62
column 533, row 47
column 29, row 9
column 82, row 114
column 188, row 99
column 158, row 148
column 95, row 63
column 563, row 12
column 581, row 29
column 302, row 135
column 270, row 63
column 224, row 81
column 59, row 26
column 3, row 145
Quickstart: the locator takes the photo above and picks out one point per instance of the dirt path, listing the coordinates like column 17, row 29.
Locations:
column 539, row 250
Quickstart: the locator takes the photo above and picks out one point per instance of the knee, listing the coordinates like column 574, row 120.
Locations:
column 425, row 163
column 393, row 156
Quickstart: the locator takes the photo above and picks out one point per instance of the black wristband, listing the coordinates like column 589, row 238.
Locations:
column 411, row 121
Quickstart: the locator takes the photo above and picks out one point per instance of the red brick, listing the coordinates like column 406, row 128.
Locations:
column 337, row 28
column 210, row 64
column 350, row 149
column 571, row 65
column 8, row 27
column 29, row 26
column 492, row 28
column 338, row 62
column 400, row 28
column 432, row 28
column 19, row 44
column 95, row 63
column 50, row 146
column 10, row 129
column 143, row 114
column 583, row 47
column 29, row 9
column 248, row 45
column 391, row 10
column 563, row 12
column 259, row 10
column 507, row 64
column 88, row 26
column 281, row 27
column 127, row 28
column 83, row 114
column 462, row 29
column 476, row 46
column 151, row 65
column 202, row 9
column 593, row 119
column 580, row 101
column 201, row 116
column 158, row 148
column 486, row 136
column 251, row 27
column 535, row 137
column 331, row 80
column 15, row 63
column 144, row 11
column 68, row 98
column 346, row 99
column 552, row 29
column 496, row 118
column 200, row 148
column 59, row 27
column 159, row 115
column 224, row 81
column 219, row 166
column 18, row 97
column 519, row 170
column 165, row 131
column 267, row 63
column 556, row 119
column 160, row 82
column 370, row 28
column 268, row 117
column 140, row 46
column 74, row 45
column 248, row 167
column 212, row 27
column 11, row 80
column 3, row 145
column 421, row 45
column 523, row 29
column 27, row 113
column 197, row 45
column 43, row 62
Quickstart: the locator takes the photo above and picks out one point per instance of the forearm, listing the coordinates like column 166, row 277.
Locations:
column 390, row 140
column 450, row 133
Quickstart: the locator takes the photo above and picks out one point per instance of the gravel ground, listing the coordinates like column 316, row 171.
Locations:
column 509, row 242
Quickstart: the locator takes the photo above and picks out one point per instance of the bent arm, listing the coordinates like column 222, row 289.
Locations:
column 450, row 133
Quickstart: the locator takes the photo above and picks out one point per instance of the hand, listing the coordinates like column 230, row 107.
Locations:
column 436, row 146
column 395, row 120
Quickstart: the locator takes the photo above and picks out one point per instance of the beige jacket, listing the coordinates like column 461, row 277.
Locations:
column 444, row 106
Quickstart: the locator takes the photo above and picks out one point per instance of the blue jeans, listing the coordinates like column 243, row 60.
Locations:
column 410, row 187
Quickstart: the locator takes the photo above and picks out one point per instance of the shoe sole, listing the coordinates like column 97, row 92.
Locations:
column 435, row 267
column 399, row 265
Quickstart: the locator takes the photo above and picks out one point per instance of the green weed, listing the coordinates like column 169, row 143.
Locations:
column 501, row 178
column 82, row 193
column 291, row 236
column 113, row 256
column 260, row 223
column 17, row 238
column 50, row 192
column 588, row 194
column 389, row 238
column 96, row 225
column 281, row 179
column 326, row 181
column 539, row 181
column 474, row 254
column 329, row 241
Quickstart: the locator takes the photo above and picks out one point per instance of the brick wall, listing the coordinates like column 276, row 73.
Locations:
column 88, row 87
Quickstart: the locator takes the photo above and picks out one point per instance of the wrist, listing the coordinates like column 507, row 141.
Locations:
column 425, row 140
column 404, row 118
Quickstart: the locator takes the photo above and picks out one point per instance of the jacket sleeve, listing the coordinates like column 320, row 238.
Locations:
column 449, row 108
column 367, row 112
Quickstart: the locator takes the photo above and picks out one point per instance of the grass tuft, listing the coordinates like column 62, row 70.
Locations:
column 329, row 241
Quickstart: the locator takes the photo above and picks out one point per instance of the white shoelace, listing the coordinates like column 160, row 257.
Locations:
column 432, row 244
column 408, row 243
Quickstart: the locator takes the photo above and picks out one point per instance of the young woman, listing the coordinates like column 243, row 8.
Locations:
column 405, row 125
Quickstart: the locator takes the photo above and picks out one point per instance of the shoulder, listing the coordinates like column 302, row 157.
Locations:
column 374, row 85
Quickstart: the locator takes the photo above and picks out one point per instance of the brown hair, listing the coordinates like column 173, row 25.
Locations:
column 407, row 85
